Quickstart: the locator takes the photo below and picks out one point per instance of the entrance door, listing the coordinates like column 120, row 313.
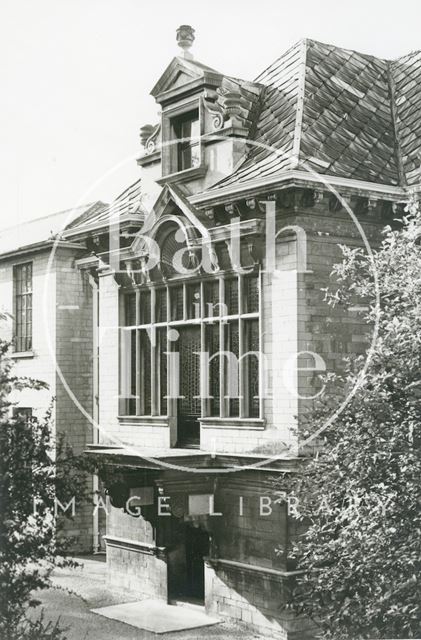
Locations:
column 197, row 547
column 186, row 567
column 188, row 427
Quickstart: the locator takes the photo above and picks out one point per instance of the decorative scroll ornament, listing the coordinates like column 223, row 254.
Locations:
column 216, row 112
column 152, row 142
column 145, row 133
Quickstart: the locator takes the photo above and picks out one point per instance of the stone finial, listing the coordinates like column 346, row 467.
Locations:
column 145, row 133
column 185, row 39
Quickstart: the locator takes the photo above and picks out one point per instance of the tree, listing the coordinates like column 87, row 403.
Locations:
column 35, row 468
column 359, row 495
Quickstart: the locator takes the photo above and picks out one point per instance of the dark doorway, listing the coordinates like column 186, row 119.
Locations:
column 188, row 410
column 197, row 547
column 186, row 567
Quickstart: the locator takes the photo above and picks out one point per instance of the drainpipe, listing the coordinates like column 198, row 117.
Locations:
column 95, row 404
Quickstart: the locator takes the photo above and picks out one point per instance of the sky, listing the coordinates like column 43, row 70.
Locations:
column 75, row 78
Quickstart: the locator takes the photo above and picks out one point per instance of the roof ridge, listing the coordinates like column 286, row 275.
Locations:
column 295, row 157
column 396, row 139
column 283, row 55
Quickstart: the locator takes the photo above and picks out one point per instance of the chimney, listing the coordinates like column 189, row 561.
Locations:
column 185, row 39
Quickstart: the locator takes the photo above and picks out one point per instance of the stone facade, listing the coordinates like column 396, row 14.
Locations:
column 61, row 342
column 291, row 170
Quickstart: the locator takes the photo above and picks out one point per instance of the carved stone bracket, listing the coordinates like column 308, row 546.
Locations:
column 253, row 204
column 232, row 210
column 215, row 110
column 318, row 195
column 210, row 214
column 151, row 143
column 145, row 133
column 371, row 205
column 287, row 199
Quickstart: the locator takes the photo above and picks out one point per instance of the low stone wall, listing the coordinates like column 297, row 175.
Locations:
column 136, row 567
column 252, row 596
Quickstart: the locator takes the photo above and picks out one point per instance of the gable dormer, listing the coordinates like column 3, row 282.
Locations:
column 206, row 118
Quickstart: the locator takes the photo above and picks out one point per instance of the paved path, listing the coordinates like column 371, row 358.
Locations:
column 76, row 591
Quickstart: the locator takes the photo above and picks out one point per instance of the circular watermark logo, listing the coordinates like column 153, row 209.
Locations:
column 184, row 264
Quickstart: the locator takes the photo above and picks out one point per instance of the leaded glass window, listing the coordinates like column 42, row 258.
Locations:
column 208, row 317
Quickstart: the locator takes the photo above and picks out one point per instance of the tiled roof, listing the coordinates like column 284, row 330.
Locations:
column 275, row 126
column 128, row 203
column 406, row 74
column 339, row 113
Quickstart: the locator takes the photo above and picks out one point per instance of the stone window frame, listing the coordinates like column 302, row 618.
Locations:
column 22, row 304
column 135, row 405
column 169, row 150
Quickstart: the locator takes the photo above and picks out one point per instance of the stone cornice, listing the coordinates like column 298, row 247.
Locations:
column 45, row 245
column 299, row 179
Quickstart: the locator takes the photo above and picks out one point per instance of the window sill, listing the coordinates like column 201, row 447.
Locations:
column 183, row 176
column 22, row 355
column 255, row 424
column 144, row 421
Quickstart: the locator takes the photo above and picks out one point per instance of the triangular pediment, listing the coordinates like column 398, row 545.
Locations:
column 171, row 202
column 180, row 72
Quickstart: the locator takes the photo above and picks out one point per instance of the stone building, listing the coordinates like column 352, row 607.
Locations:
column 50, row 304
column 211, row 325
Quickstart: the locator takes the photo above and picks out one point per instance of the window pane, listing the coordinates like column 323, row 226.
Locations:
column 231, row 296
column 251, row 294
column 187, row 130
column 194, row 155
column 145, row 307
column 128, row 372
column 193, row 301
column 176, row 297
column 161, row 305
column 162, row 369
column 145, row 371
column 251, row 364
column 231, row 367
column 22, row 281
column 212, row 306
column 212, row 346
column 130, row 310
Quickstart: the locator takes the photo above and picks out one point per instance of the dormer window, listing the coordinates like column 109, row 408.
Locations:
column 186, row 130
column 182, row 149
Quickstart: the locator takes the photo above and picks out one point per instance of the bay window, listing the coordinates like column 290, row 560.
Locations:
column 213, row 326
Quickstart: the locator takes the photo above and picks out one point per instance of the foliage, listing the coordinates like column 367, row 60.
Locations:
column 358, row 535
column 34, row 470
